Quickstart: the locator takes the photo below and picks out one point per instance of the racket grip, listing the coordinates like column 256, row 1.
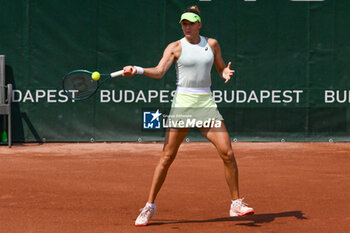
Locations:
column 117, row 73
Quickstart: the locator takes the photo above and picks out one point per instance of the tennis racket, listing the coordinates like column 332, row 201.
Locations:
column 79, row 85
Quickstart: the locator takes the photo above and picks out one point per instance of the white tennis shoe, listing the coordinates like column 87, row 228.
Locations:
column 239, row 208
column 146, row 214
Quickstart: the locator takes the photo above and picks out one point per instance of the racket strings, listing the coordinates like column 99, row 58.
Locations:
column 79, row 85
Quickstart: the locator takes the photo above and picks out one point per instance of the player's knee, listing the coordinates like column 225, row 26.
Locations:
column 167, row 159
column 228, row 157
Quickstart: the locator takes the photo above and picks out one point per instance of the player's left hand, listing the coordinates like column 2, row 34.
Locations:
column 227, row 73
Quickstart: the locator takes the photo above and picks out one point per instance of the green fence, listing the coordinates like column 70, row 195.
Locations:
column 292, row 62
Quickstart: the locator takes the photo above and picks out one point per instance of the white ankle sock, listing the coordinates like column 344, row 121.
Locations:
column 235, row 201
column 151, row 205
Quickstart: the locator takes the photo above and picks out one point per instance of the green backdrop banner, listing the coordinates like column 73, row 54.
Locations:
column 291, row 59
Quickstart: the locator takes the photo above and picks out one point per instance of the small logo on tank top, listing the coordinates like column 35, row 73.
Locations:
column 206, row 49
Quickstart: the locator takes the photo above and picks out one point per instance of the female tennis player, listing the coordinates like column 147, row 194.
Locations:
column 193, row 56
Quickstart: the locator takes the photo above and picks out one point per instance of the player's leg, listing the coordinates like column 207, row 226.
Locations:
column 173, row 140
column 221, row 140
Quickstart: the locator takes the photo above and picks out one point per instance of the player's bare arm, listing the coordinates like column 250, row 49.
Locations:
column 170, row 55
column 224, row 71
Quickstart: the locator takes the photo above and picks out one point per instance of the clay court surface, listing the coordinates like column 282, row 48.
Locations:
column 99, row 187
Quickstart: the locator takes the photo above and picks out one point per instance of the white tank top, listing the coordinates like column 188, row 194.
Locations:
column 194, row 64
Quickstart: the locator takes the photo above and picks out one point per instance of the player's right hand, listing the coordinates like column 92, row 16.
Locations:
column 129, row 71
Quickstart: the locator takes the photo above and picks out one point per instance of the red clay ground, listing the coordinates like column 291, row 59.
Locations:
column 54, row 187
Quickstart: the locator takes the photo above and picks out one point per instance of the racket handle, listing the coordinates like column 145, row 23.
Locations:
column 117, row 73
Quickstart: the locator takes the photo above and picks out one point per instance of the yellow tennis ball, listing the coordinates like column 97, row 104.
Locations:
column 95, row 76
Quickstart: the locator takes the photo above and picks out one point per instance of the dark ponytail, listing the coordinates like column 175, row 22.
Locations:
column 193, row 9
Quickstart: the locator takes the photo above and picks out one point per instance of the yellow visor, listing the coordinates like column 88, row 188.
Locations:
column 192, row 17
